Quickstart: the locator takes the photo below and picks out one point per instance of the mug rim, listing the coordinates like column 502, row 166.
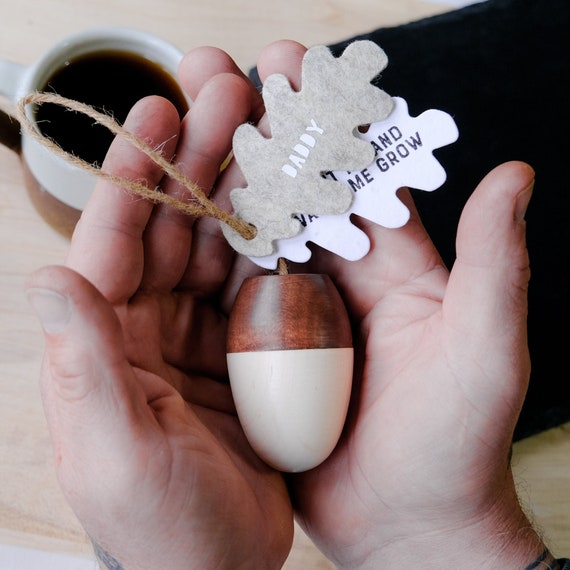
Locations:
column 91, row 40
column 52, row 171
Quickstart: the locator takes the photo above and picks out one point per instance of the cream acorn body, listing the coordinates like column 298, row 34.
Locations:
column 290, row 362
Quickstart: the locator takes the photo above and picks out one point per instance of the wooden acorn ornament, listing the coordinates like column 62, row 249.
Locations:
column 290, row 362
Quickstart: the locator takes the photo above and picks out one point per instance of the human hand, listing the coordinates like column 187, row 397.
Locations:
column 148, row 448
column 421, row 476
column 421, row 473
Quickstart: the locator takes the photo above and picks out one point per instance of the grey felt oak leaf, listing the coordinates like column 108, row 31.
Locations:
column 312, row 131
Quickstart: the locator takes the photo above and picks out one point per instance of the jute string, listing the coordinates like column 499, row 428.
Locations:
column 200, row 204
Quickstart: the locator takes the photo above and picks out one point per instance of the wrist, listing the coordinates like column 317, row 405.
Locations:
column 502, row 537
column 467, row 549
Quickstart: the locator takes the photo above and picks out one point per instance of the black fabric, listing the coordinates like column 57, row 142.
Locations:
column 500, row 68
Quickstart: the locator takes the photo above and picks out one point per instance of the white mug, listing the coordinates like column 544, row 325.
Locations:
column 58, row 189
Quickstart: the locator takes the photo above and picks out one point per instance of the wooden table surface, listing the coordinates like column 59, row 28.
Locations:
column 33, row 512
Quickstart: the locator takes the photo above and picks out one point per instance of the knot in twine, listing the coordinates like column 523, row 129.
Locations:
column 199, row 205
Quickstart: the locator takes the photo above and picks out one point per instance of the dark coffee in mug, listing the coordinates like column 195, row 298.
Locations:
column 111, row 81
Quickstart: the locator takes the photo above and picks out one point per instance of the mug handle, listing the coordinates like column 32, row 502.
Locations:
column 11, row 74
column 10, row 79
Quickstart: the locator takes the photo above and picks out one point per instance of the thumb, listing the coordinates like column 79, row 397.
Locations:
column 486, row 298
column 88, row 387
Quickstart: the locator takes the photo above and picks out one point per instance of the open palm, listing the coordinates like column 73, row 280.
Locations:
column 150, row 453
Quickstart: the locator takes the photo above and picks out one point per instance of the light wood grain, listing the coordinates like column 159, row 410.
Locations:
column 33, row 511
column 242, row 28
column 542, row 471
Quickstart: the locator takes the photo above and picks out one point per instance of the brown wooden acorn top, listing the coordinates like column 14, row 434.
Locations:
column 288, row 312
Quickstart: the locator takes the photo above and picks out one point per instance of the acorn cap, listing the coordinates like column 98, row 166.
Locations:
column 288, row 312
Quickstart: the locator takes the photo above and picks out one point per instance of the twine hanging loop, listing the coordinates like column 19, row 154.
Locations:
column 199, row 204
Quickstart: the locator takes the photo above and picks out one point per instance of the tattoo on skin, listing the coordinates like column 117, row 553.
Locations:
column 106, row 559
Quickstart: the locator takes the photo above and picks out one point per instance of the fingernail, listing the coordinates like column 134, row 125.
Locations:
column 522, row 202
column 53, row 309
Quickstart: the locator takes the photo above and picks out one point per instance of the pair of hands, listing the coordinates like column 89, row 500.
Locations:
column 148, row 448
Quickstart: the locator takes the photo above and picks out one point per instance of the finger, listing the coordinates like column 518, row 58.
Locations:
column 107, row 247
column 486, row 299
column 173, row 244
column 285, row 57
column 201, row 64
column 92, row 400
